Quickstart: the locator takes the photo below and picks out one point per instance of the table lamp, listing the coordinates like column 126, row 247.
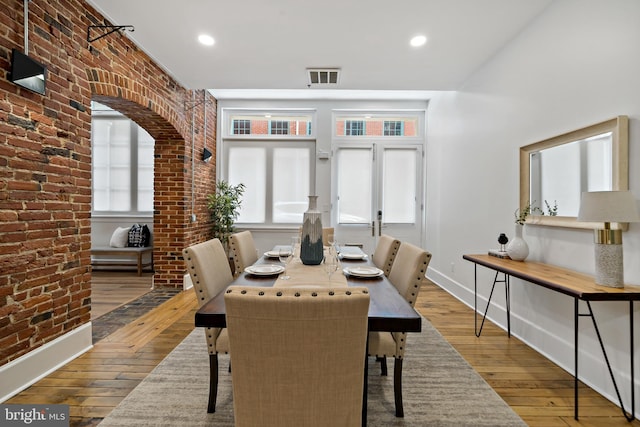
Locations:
column 608, row 207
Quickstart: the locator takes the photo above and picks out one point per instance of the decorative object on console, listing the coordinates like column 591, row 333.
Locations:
column 311, row 249
column 502, row 252
column 517, row 248
column 503, row 240
column 608, row 207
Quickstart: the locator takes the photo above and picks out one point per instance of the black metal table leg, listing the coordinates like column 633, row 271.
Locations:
column 630, row 417
column 486, row 310
column 575, row 357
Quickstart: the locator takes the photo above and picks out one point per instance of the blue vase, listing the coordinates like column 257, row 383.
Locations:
column 311, row 250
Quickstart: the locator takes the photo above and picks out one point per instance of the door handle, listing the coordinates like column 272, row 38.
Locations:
column 379, row 223
column 373, row 229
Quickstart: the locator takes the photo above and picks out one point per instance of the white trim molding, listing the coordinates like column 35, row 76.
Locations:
column 19, row 374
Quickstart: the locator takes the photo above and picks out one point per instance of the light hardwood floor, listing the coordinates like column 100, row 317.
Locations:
column 540, row 392
column 110, row 290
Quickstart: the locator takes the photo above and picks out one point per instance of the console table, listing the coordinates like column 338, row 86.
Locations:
column 580, row 287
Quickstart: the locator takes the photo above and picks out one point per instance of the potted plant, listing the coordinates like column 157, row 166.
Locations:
column 224, row 207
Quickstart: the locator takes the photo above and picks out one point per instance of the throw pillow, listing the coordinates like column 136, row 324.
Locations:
column 119, row 238
column 139, row 236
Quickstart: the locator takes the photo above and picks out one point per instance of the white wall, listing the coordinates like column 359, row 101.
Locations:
column 577, row 64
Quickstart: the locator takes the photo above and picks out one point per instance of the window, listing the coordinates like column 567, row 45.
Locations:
column 277, row 176
column 354, row 127
column 393, row 128
column 241, row 127
column 377, row 124
column 122, row 160
column 275, row 160
column 278, row 127
column 266, row 123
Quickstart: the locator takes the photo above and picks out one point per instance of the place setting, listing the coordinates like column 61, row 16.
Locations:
column 366, row 272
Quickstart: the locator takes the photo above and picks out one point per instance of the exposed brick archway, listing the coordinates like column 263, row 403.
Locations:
column 171, row 194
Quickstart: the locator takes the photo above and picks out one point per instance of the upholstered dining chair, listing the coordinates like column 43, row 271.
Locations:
column 385, row 253
column 243, row 250
column 297, row 355
column 407, row 274
column 210, row 273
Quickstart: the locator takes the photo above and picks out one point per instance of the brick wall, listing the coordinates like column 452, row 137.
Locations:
column 45, row 166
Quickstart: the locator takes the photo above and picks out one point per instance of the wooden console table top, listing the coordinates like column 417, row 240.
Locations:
column 569, row 282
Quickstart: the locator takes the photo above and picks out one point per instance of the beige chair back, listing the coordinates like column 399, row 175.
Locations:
column 243, row 250
column 210, row 274
column 408, row 271
column 297, row 355
column 385, row 253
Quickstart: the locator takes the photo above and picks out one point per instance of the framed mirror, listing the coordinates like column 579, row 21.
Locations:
column 554, row 172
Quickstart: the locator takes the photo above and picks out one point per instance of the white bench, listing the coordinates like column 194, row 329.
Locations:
column 118, row 257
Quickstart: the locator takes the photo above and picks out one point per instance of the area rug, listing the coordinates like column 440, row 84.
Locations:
column 439, row 389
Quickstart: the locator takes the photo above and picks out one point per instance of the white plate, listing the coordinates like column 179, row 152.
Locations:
column 274, row 254
column 364, row 271
column 352, row 256
column 264, row 269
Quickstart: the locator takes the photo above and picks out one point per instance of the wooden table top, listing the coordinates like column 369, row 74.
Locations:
column 388, row 310
column 564, row 280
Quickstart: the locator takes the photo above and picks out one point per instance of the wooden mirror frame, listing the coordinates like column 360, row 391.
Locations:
column 619, row 128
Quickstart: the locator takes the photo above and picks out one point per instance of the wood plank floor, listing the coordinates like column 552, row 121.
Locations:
column 110, row 290
column 540, row 392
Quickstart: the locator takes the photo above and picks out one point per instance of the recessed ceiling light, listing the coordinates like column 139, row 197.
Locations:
column 206, row 40
column 418, row 41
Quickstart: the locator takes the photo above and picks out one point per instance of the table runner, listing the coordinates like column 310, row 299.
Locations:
column 311, row 275
column 301, row 275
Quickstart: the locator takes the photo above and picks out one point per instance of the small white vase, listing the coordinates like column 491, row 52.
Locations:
column 517, row 248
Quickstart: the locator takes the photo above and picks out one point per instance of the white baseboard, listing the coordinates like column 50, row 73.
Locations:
column 19, row 374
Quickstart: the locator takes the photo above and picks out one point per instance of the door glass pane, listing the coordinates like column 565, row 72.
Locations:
column 399, row 186
column 354, row 186
column 290, row 184
column 249, row 167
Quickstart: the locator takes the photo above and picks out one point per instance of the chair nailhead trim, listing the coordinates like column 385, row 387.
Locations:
column 261, row 293
column 279, row 294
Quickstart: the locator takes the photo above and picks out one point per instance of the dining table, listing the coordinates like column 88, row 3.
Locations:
column 388, row 310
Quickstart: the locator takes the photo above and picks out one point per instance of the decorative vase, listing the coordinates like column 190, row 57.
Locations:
column 517, row 248
column 311, row 250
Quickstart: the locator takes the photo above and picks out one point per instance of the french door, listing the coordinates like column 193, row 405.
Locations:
column 377, row 190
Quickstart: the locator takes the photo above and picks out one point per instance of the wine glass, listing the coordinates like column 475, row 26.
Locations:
column 330, row 264
column 295, row 247
column 285, row 256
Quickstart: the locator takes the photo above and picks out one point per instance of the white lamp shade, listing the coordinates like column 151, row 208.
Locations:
column 608, row 206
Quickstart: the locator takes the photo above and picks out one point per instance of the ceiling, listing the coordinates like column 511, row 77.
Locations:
column 268, row 45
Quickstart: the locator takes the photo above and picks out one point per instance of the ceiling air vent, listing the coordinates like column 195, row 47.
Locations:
column 323, row 77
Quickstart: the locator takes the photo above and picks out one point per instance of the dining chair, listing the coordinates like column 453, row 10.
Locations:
column 385, row 253
column 407, row 274
column 243, row 250
column 210, row 274
column 297, row 355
